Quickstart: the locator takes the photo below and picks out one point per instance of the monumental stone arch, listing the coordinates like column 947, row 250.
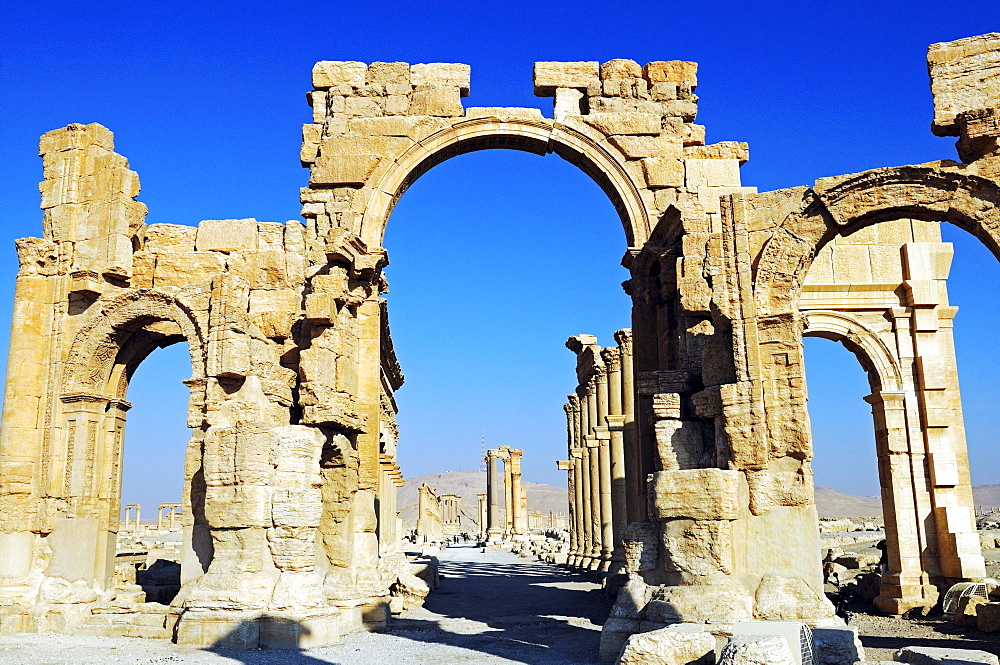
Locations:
column 291, row 530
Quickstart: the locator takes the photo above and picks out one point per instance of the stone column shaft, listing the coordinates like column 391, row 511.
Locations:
column 493, row 530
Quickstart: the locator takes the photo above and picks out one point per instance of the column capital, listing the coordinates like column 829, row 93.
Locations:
column 612, row 357
column 624, row 339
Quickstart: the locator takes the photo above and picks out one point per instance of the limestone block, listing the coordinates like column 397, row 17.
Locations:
column 837, row 646
column 237, row 506
column 444, row 101
column 630, row 603
column 708, row 199
column 388, row 73
column 722, row 150
column 293, row 548
column 274, row 312
column 636, row 147
column 695, row 494
column 679, row 72
column 756, row 650
column 787, row 598
column 363, row 106
column 627, row 123
column 76, row 136
column 669, row 646
column 943, row 656
column 330, row 74
column 296, row 507
column 614, row 634
column 262, row 268
column 988, row 617
column 226, row 235
column 620, row 69
column 411, row 589
column 712, row 173
column 549, row 76
column 109, row 252
column 663, row 172
column 965, row 613
column 446, row 74
column 698, row 547
column 568, row 102
column 170, row 238
column 724, row 601
column 184, row 268
column 965, row 76
column 37, row 256
column 336, row 169
column 414, row 128
column 641, row 544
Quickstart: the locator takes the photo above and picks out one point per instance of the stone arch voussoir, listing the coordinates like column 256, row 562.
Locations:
column 541, row 136
column 92, row 355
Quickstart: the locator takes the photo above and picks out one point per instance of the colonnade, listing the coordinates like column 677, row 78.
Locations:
column 605, row 479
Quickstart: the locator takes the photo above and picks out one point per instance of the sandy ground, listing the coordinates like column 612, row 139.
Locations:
column 493, row 608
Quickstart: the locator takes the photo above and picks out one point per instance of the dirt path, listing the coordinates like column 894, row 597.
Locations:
column 490, row 609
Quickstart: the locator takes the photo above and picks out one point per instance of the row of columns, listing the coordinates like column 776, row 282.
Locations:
column 603, row 453
column 515, row 498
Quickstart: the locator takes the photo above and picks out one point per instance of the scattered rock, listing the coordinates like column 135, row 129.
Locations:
column 670, row 646
column 756, row 650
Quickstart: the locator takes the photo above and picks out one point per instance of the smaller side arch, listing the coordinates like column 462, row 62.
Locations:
column 874, row 356
column 96, row 346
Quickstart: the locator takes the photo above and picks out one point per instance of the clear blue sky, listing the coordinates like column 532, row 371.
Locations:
column 206, row 100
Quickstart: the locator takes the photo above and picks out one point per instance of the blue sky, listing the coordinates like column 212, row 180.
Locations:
column 206, row 101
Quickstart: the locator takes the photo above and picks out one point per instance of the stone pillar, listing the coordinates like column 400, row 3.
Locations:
column 508, row 494
column 635, row 481
column 603, row 437
column 616, row 425
column 577, row 526
column 517, row 519
column 423, row 513
column 493, row 531
column 905, row 584
column 481, row 498
column 571, row 408
column 596, row 545
column 586, row 553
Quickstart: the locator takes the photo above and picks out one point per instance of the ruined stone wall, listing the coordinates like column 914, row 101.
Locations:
column 275, row 517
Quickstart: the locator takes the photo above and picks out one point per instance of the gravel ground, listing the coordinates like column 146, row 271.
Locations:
column 493, row 608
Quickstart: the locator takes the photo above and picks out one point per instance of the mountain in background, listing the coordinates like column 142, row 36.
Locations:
column 467, row 484
column 831, row 503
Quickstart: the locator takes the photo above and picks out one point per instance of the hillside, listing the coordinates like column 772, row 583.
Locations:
column 832, row 503
column 467, row 484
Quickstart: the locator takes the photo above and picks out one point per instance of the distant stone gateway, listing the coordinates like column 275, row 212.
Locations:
column 692, row 475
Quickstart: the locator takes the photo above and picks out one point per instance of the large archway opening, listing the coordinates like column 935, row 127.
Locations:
column 497, row 257
column 150, row 535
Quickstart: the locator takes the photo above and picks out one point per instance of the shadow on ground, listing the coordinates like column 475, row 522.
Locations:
column 526, row 611
column 522, row 611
